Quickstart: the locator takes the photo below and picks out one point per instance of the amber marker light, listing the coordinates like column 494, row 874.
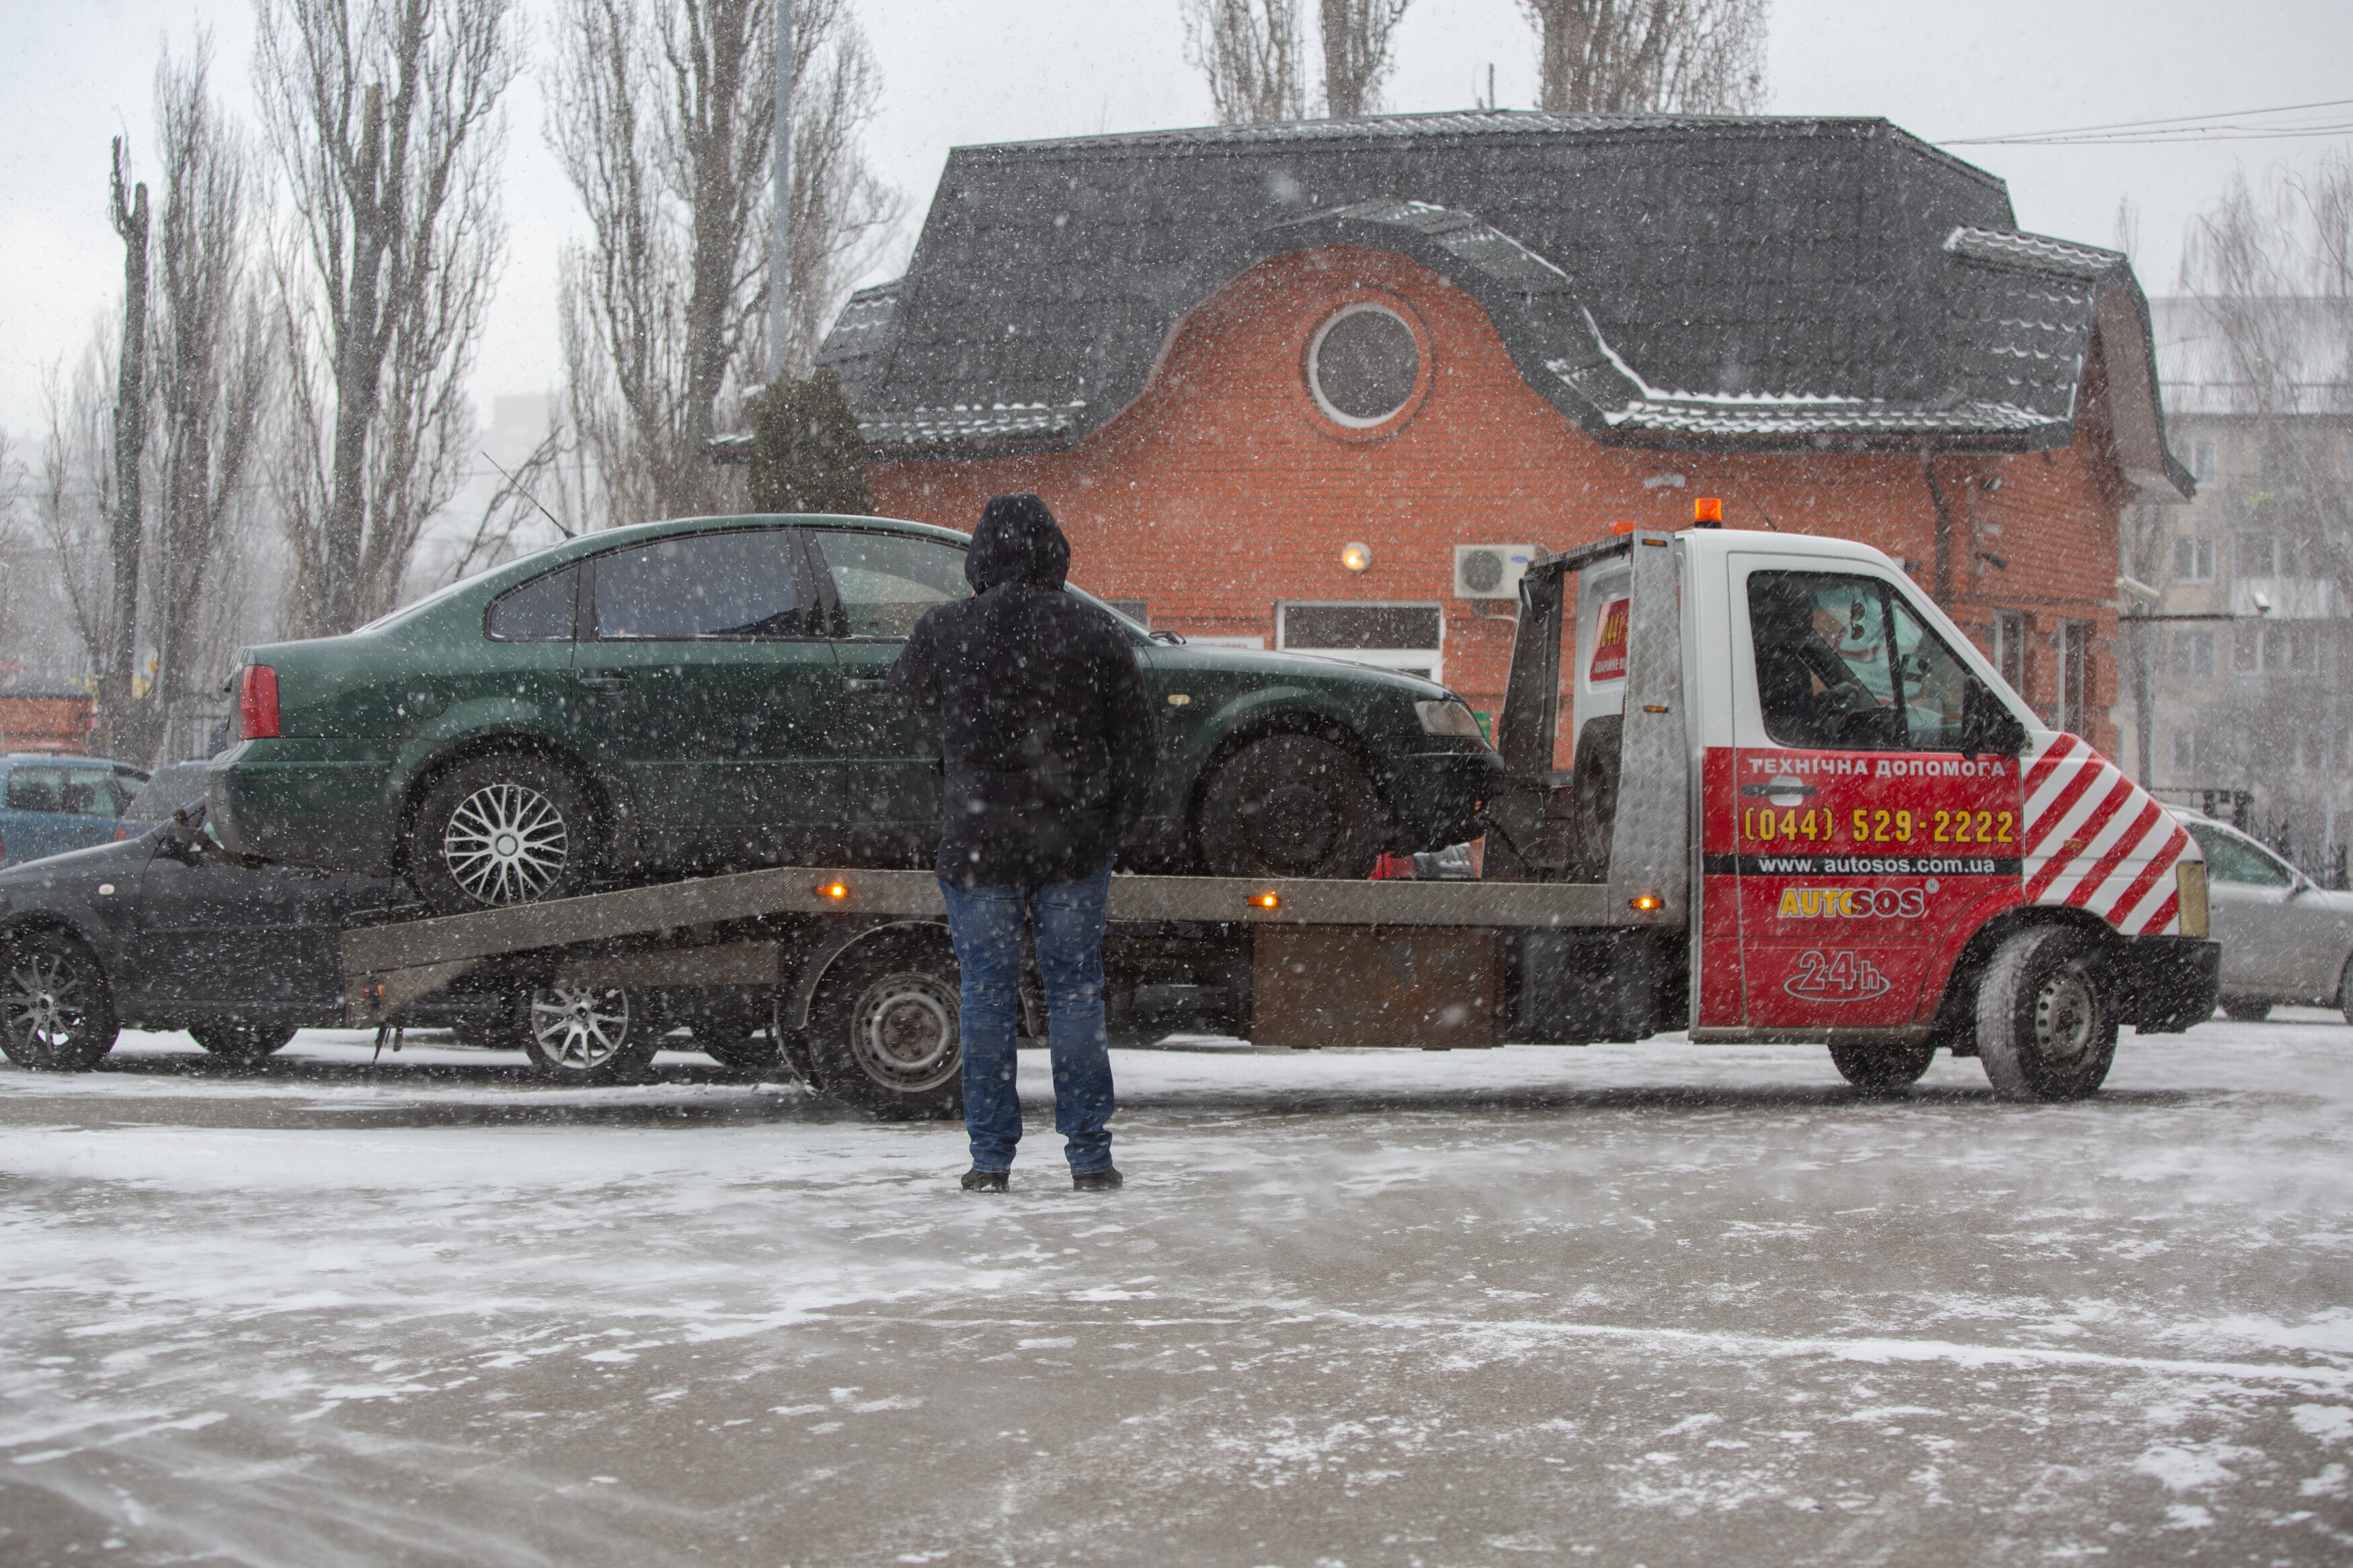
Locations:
column 1646, row 902
column 835, row 890
column 1265, row 901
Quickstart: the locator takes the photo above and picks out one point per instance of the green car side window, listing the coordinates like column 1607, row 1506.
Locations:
column 886, row 580
column 539, row 611
column 740, row 583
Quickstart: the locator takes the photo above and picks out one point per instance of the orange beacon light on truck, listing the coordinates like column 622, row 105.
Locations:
column 1707, row 511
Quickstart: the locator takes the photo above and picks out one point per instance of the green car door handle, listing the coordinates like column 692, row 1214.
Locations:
column 603, row 680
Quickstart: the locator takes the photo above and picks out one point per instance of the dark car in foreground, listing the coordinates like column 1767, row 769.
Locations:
column 710, row 693
column 160, row 931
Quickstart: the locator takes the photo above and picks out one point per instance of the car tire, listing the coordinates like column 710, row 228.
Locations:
column 237, row 1041
column 883, row 1030
column 1291, row 805
column 2045, row 1029
column 2344, row 991
column 1882, row 1069
column 586, row 1034
column 2245, row 1010
column 507, row 828
column 57, row 1012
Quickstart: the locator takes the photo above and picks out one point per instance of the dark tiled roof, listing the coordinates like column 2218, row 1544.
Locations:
column 1666, row 280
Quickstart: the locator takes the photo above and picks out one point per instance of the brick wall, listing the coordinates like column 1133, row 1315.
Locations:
column 1223, row 489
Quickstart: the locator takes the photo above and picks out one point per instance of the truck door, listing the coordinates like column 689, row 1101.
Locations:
column 1867, row 844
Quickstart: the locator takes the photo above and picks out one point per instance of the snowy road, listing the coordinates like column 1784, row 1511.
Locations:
column 1661, row 1304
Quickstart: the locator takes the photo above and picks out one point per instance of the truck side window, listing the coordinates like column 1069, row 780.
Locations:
column 1824, row 680
column 1844, row 664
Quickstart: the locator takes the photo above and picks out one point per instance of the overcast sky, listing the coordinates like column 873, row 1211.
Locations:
column 77, row 72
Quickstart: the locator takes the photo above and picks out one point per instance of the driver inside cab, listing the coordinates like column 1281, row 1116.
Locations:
column 1819, row 642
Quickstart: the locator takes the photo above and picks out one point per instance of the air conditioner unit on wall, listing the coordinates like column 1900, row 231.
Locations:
column 1490, row 570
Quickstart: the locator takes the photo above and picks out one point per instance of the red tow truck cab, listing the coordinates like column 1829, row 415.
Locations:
column 1875, row 822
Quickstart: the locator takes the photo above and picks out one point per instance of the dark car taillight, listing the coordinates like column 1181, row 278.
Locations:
column 257, row 703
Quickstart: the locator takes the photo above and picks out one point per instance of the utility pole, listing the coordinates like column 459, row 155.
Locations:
column 781, row 167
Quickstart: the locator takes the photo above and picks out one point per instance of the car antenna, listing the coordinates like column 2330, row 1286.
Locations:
column 1749, row 499
column 515, row 486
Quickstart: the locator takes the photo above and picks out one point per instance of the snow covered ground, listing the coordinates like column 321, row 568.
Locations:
column 1654, row 1304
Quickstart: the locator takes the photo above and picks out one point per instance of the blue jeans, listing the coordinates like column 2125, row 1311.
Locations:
column 986, row 923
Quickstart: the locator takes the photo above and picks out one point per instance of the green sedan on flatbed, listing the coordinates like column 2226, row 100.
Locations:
column 708, row 694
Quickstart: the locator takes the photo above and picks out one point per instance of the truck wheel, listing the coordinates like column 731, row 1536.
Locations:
column 2045, row 1030
column 501, row 829
column 2344, row 991
column 56, row 1012
column 2245, row 1010
column 585, row 1035
column 883, row 1030
column 241, row 1042
column 1880, row 1069
column 1291, row 805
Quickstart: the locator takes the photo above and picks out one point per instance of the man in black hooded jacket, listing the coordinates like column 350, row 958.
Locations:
column 1049, row 742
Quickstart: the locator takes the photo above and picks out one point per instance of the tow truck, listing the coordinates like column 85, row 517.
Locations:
column 1798, row 807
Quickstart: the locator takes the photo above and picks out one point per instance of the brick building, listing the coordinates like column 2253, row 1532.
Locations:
column 1225, row 355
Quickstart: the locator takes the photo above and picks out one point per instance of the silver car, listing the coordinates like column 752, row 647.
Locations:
column 2286, row 939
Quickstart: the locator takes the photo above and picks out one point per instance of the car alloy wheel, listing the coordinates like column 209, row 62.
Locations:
column 505, row 844
column 581, row 1033
column 55, row 1012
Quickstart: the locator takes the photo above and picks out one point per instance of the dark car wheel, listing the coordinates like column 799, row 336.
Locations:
column 56, row 1011
column 2045, row 1030
column 501, row 829
column 242, row 1042
column 2245, row 1010
column 883, row 1030
column 586, row 1034
column 1882, row 1069
column 1291, row 805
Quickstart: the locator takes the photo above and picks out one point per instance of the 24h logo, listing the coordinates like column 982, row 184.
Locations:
column 1841, row 976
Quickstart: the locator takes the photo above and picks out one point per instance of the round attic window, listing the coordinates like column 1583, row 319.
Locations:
column 1362, row 366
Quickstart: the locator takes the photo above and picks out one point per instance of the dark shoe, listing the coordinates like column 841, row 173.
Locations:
column 978, row 1181
column 1106, row 1180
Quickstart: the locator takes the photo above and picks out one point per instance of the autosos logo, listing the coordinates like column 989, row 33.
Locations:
column 1853, row 903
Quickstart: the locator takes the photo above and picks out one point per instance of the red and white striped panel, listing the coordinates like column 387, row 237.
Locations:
column 2095, row 840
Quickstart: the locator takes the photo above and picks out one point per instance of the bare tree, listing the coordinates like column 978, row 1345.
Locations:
column 1253, row 53
column 1356, row 53
column 663, row 113
column 383, row 118
column 1632, row 57
column 117, row 677
column 74, row 500
column 2269, row 267
column 213, row 367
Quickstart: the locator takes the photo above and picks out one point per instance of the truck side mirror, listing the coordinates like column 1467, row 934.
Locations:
column 1989, row 725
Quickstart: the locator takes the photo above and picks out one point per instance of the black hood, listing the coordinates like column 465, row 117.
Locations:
column 1018, row 541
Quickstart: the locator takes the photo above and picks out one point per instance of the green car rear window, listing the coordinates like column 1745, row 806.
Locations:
column 539, row 611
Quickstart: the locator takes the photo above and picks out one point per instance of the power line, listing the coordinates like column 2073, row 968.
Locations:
column 2228, row 125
